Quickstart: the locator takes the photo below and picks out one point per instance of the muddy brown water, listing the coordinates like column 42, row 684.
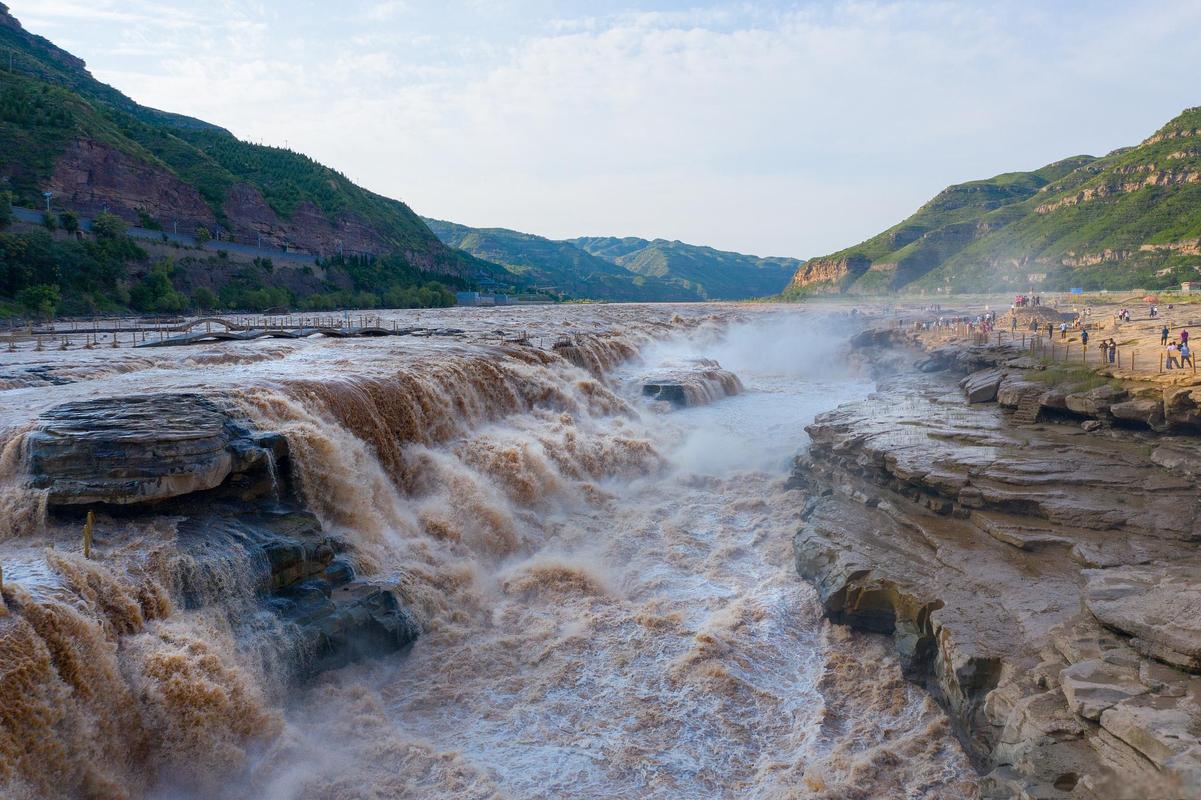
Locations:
column 606, row 584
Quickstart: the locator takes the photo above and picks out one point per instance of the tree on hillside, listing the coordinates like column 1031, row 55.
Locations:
column 69, row 221
column 40, row 301
column 156, row 292
column 49, row 221
column 6, row 208
column 202, row 236
column 206, row 299
column 108, row 226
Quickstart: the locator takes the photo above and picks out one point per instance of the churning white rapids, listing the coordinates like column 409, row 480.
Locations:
column 606, row 584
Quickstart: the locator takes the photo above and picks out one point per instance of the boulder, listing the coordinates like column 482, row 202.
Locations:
column 691, row 383
column 1145, row 411
column 344, row 624
column 937, row 360
column 1094, row 402
column 141, row 449
column 1182, row 406
column 1157, row 604
column 1055, row 398
column 333, row 617
column 1024, row 362
column 982, row 386
column 877, row 338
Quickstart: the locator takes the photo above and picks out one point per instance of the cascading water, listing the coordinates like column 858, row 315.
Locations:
column 603, row 582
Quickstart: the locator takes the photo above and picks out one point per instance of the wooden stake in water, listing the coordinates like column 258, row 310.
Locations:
column 87, row 534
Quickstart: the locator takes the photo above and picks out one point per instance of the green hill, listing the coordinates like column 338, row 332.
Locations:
column 63, row 131
column 622, row 269
column 1129, row 219
column 710, row 274
column 558, row 267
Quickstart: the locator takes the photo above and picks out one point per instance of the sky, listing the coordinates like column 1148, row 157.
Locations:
column 773, row 128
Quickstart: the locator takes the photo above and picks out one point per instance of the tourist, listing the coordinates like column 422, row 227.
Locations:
column 1186, row 355
column 1084, row 338
column 1112, row 350
column 1050, row 330
column 1172, row 351
column 1163, row 336
column 1183, row 336
column 1063, row 330
column 1014, row 327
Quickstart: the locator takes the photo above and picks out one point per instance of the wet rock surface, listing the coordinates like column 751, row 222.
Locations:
column 1041, row 581
column 1159, row 605
column 694, row 383
column 332, row 616
column 229, row 489
column 140, row 449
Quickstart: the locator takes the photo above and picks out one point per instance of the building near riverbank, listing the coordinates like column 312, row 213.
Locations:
column 480, row 299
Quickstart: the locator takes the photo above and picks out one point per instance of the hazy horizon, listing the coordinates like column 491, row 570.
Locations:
column 777, row 129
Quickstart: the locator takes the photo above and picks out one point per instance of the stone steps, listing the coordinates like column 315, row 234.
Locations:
column 1029, row 409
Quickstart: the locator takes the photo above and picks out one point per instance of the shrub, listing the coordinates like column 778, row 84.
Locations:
column 108, row 227
column 69, row 221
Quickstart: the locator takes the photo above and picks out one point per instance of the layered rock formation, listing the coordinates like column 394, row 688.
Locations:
column 229, row 490
column 828, row 274
column 1040, row 580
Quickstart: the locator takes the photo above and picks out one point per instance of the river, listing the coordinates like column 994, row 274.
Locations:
column 605, row 583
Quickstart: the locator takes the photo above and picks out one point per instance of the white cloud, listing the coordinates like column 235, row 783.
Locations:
column 771, row 129
column 381, row 12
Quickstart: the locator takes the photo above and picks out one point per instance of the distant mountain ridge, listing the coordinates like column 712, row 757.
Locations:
column 1131, row 219
column 622, row 269
column 716, row 274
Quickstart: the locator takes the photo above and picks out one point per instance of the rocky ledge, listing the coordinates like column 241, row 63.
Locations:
column 695, row 382
column 230, row 492
column 1042, row 581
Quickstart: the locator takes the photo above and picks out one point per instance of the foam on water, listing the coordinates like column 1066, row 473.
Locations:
column 607, row 591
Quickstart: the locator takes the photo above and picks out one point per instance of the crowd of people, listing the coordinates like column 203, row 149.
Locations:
column 1178, row 351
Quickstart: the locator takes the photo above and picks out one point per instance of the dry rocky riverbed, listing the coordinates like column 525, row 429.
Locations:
column 1043, row 579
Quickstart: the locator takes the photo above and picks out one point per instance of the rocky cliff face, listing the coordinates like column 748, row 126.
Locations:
column 92, row 177
column 1034, row 578
column 829, row 273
